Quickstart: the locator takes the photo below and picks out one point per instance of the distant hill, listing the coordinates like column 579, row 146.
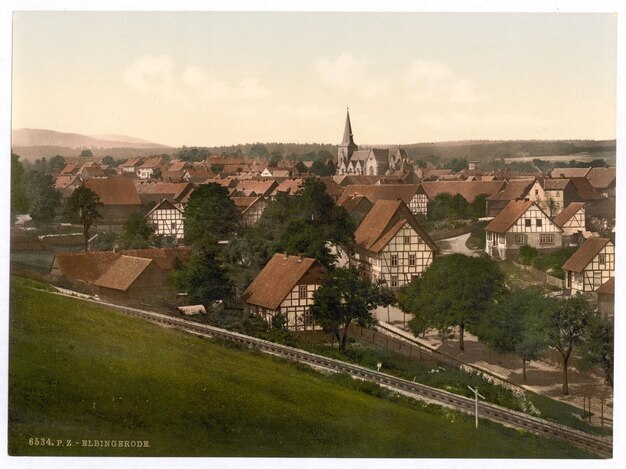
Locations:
column 39, row 143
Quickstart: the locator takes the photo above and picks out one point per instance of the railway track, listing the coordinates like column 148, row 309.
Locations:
column 488, row 411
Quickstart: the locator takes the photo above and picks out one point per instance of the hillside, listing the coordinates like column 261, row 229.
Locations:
column 79, row 371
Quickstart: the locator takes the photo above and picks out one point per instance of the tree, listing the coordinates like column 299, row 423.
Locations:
column 105, row 241
column 86, row 153
column 301, row 167
column 454, row 291
column 203, row 277
column 567, row 323
column 83, row 206
column 56, row 164
column 259, row 150
column 19, row 198
column 516, row 324
column 344, row 297
column 210, row 211
column 44, row 198
column 138, row 233
column 598, row 345
column 110, row 161
column 156, row 174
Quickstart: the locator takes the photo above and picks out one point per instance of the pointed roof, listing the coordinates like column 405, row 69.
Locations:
column 585, row 254
column 279, row 276
column 347, row 132
column 510, row 214
column 567, row 213
column 383, row 221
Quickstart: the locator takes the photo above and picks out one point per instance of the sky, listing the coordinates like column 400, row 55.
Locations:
column 222, row 78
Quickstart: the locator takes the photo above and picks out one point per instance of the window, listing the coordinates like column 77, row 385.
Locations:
column 536, row 191
column 538, row 222
column 528, row 222
column 407, row 240
column 394, row 281
column 546, row 239
column 520, row 239
column 489, row 235
column 601, row 259
column 174, row 225
column 302, row 292
column 597, row 279
column 411, row 259
column 394, row 260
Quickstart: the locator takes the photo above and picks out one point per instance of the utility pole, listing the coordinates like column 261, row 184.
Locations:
column 476, row 396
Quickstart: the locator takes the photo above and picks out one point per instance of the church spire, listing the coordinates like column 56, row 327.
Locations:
column 347, row 131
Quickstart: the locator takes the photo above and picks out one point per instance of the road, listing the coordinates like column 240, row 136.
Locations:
column 456, row 244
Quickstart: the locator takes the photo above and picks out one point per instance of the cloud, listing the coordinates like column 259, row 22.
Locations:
column 163, row 78
column 347, row 72
column 434, row 82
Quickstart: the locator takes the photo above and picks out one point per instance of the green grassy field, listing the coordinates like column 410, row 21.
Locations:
column 81, row 372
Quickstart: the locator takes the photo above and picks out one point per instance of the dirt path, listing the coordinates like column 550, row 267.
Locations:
column 543, row 377
column 456, row 244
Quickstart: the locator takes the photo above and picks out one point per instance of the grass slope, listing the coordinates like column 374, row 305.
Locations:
column 78, row 371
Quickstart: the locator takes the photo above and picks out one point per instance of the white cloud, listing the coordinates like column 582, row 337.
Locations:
column 347, row 72
column 162, row 77
column 434, row 82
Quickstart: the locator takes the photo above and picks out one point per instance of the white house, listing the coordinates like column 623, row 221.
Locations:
column 168, row 220
column 521, row 222
column 286, row 286
column 391, row 244
column 590, row 266
column 572, row 221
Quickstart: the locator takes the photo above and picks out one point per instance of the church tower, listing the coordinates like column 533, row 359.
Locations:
column 347, row 146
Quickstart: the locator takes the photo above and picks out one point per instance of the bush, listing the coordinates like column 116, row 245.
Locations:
column 553, row 261
column 527, row 254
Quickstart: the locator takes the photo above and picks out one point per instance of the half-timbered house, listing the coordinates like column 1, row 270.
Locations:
column 521, row 222
column 391, row 245
column 168, row 220
column 572, row 221
column 411, row 194
column 590, row 266
column 251, row 208
column 285, row 286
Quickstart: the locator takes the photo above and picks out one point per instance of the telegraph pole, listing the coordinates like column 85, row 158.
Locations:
column 476, row 396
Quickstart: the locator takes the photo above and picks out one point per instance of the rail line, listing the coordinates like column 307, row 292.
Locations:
column 488, row 411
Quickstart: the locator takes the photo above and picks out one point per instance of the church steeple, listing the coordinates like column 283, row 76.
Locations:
column 347, row 131
column 347, row 146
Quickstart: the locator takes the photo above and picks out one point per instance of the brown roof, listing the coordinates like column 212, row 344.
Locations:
column 514, row 189
column 62, row 181
column 253, row 187
column 131, row 163
column 290, row 186
column 404, row 192
column 178, row 165
column 283, row 272
column 569, row 172
column 607, row 288
column 164, row 258
column 69, row 168
column 198, row 174
column 351, row 179
column 152, row 162
column 567, row 213
column 602, row 178
column 585, row 190
column 585, row 254
column 332, row 188
column 160, row 188
column 85, row 266
column 114, row 191
column 509, row 215
column 163, row 205
column 242, row 203
column 468, row 189
column 123, row 273
column 383, row 221
column 354, row 202
column 554, row 184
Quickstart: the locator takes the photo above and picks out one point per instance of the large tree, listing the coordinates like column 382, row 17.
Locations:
column 347, row 296
column 19, row 198
column 454, row 291
column 138, row 233
column 204, row 277
column 517, row 324
column 211, row 212
column 83, row 206
column 598, row 345
column 567, row 324
column 44, row 198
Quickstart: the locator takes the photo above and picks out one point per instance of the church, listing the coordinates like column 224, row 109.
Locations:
column 373, row 162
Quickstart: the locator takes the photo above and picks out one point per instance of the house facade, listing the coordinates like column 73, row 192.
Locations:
column 592, row 265
column 572, row 221
column 391, row 245
column 168, row 220
column 286, row 286
column 521, row 222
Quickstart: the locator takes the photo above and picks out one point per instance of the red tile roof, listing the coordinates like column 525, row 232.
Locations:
column 279, row 276
column 514, row 189
column 585, row 190
column 607, row 288
column 383, row 221
column 602, row 178
column 569, row 172
column 468, row 189
column 123, row 273
column 567, row 213
column 114, row 191
column 585, row 254
column 509, row 215
column 404, row 192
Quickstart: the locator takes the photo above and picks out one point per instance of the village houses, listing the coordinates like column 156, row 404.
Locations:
column 285, row 286
column 590, row 266
column 521, row 222
column 168, row 220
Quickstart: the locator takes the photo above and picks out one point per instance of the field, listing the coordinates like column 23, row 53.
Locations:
column 80, row 372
